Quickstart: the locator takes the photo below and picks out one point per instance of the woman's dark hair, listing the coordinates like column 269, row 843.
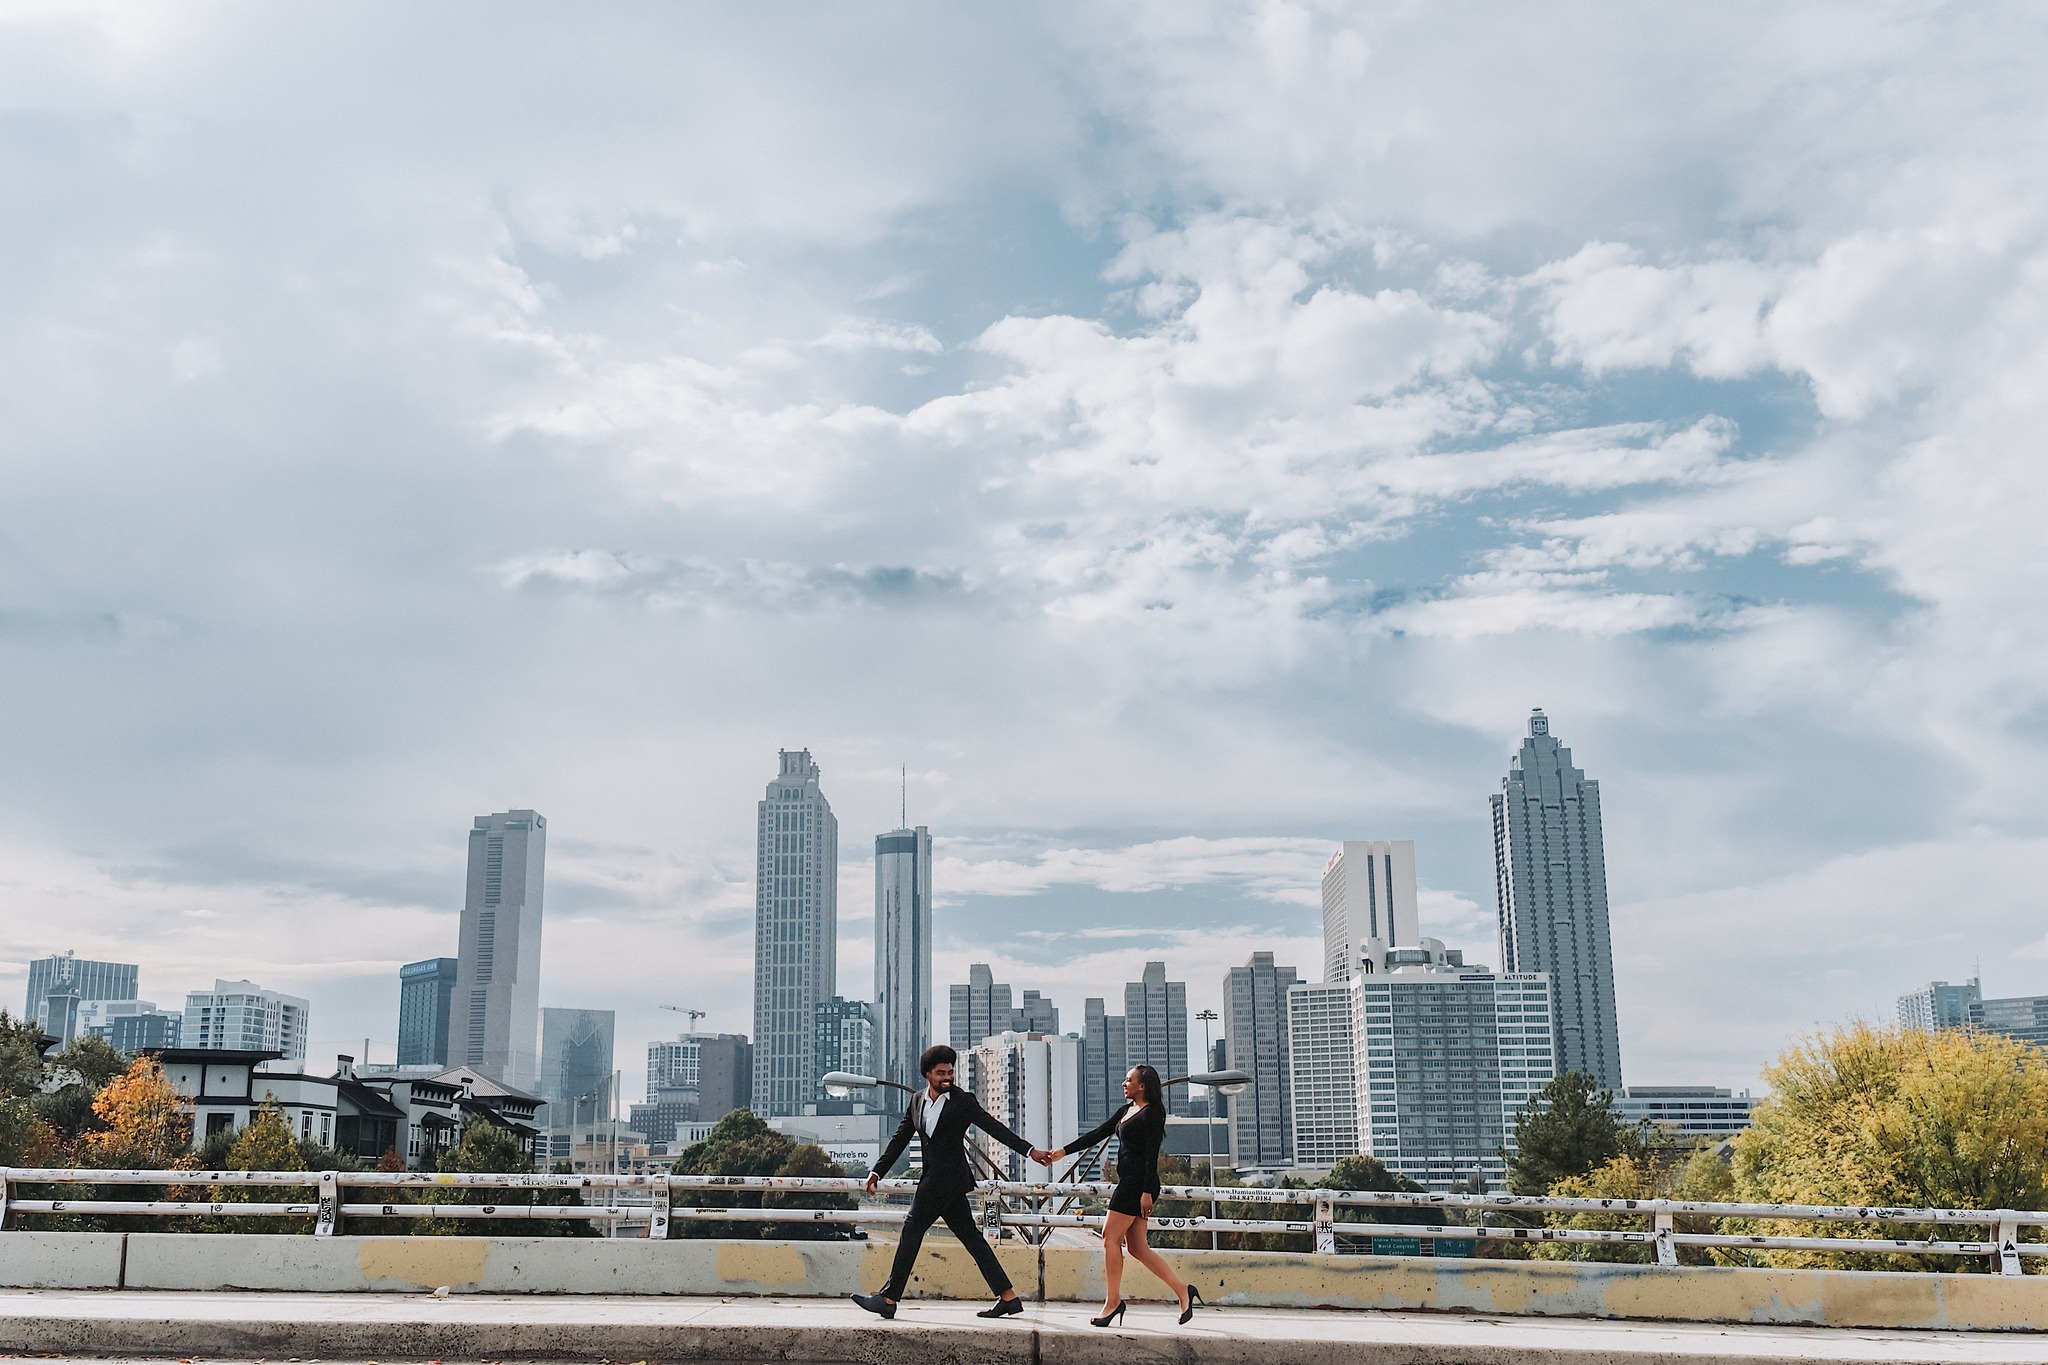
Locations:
column 1149, row 1080
column 938, row 1054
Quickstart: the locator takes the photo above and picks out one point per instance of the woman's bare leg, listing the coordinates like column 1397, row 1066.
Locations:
column 1154, row 1262
column 1114, row 1227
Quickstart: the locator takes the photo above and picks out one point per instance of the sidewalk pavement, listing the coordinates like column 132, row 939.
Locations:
column 465, row 1327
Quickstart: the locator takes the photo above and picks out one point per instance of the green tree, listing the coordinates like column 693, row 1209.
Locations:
column 21, row 1057
column 1897, row 1117
column 1567, row 1129
column 26, row 1137
column 72, row 1079
column 1370, row 1174
column 485, row 1148
column 742, row 1143
column 265, row 1143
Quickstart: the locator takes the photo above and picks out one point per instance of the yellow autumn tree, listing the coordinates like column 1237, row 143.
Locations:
column 1901, row 1118
column 148, row 1123
column 1703, row 1176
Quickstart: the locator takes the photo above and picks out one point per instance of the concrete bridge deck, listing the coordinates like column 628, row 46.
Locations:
column 219, row 1326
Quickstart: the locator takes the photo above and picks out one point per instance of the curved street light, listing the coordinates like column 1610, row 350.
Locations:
column 840, row 1084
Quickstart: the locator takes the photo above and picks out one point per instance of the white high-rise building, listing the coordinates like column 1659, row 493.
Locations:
column 1032, row 1083
column 1447, row 1054
column 494, row 1019
column 1368, row 897
column 1940, row 1005
column 241, row 1016
column 796, row 933
column 1550, row 882
column 1322, row 1053
column 1419, row 1060
column 903, row 951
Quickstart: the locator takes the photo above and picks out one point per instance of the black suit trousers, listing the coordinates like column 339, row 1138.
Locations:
column 959, row 1216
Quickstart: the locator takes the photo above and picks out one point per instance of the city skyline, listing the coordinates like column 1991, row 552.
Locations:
column 1167, row 442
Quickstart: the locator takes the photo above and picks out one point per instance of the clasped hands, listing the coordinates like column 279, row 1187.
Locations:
column 1045, row 1158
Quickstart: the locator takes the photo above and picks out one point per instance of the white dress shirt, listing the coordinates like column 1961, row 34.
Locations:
column 932, row 1109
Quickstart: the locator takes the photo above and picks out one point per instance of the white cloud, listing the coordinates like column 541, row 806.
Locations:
column 1319, row 390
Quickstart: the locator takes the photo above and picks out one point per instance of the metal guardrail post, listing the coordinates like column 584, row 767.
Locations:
column 6, row 1185
column 2008, row 1239
column 657, row 1219
column 1326, row 1227
column 327, row 1221
column 1667, row 1251
column 992, row 1217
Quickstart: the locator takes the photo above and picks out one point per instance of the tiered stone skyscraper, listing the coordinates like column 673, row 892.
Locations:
column 1550, row 883
column 796, row 933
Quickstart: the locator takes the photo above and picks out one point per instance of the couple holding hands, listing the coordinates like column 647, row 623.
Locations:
column 941, row 1114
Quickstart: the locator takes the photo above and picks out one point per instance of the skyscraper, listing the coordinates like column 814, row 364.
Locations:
column 796, row 933
column 1156, row 1030
column 575, row 1058
column 425, row 990
column 58, row 985
column 713, row 1073
column 1939, row 1005
column 1368, row 895
column 1028, row 1082
column 980, row 1009
column 1105, row 1057
column 494, row 1023
column 1550, row 882
column 845, row 1037
column 903, row 951
column 1255, row 1026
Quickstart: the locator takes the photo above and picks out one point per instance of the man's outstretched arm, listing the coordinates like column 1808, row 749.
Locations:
column 891, row 1153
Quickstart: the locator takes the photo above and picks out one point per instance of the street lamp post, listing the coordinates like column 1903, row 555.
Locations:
column 1209, row 1017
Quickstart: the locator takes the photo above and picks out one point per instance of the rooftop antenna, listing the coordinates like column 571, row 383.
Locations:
column 903, row 773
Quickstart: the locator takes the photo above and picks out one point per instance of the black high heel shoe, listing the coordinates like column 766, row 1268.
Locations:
column 1194, row 1297
column 1115, row 1314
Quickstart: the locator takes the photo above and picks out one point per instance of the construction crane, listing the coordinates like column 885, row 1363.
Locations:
column 695, row 1015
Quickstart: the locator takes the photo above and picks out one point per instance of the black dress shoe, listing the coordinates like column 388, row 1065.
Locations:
column 1003, row 1308
column 875, row 1304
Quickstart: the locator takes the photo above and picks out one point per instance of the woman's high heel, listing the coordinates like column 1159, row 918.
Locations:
column 1113, row 1315
column 1194, row 1297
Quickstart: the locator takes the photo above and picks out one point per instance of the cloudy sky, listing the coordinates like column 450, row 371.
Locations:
column 1179, row 435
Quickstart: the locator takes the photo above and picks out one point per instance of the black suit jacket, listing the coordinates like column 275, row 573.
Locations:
column 947, row 1173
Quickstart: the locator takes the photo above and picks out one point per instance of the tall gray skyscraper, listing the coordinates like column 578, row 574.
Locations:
column 1105, row 1057
column 796, row 933
column 1255, row 1024
column 425, row 990
column 980, row 1009
column 58, row 985
column 575, row 1059
column 494, row 1023
column 1156, row 1030
column 903, row 951
column 1550, row 882
column 1368, row 895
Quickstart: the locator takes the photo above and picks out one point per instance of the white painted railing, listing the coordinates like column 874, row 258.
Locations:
column 660, row 1200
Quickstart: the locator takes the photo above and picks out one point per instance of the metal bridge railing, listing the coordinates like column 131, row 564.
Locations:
column 1033, row 1210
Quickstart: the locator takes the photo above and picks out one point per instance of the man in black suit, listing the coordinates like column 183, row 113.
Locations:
column 942, row 1115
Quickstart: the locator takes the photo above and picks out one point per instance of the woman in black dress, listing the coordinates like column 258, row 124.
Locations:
column 1140, row 1128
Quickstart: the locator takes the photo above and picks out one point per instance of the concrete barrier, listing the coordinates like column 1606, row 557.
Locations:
column 587, row 1266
